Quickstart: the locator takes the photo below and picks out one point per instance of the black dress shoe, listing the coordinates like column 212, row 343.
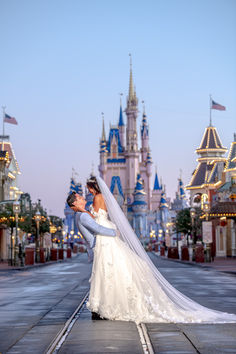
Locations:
column 96, row 316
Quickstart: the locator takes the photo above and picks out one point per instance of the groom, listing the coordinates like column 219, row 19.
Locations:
column 88, row 228
column 85, row 223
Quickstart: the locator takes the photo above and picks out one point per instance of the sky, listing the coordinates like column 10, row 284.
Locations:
column 63, row 62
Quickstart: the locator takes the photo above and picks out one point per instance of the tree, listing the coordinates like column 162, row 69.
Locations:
column 183, row 222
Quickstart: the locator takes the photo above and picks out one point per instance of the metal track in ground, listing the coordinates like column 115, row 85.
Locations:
column 60, row 338
column 144, row 339
column 62, row 335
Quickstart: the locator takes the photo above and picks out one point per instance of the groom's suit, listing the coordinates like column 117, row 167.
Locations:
column 89, row 229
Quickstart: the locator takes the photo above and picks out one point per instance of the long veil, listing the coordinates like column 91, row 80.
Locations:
column 193, row 310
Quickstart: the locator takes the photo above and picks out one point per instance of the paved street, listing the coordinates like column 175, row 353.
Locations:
column 35, row 304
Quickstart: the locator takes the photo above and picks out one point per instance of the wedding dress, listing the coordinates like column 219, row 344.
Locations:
column 125, row 285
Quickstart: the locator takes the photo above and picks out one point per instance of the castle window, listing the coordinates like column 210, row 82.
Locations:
column 114, row 151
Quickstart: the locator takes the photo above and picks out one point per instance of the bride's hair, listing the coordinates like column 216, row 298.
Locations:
column 92, row 183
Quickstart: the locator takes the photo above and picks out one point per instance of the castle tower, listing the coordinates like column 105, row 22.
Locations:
column 210, row 166
column 131, row 153
column 121, row 127
column 69, row 213
column 164, row 210
column 156, row 194
column 146, row 160
column 139, row 208
column 103, row 152
column 144, row 137
column 180, row 201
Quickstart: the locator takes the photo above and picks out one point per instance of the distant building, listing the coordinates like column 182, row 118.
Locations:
column 69, row 222
column 223, row 208
column 9, row 188
column 207, row 175
column 9, row 172
column 214, row 182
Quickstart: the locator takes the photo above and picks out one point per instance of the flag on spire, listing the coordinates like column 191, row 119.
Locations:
column 9, row 119
column 215, row 105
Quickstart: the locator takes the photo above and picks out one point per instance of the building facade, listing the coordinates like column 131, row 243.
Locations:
column 9, row 188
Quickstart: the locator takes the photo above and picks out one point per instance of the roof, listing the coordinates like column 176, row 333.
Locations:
column 231, row 160
column 114, row 132
column 76, row 187
column 139, row 185
column 144, row 126
column 163, row 203
column 7, row 146
column 181, row 189
column 224, row 187
column 115, row 181
column 157, row 186
column 121, row 121
column 205, row 173
column 223, row 208
column 211, row 141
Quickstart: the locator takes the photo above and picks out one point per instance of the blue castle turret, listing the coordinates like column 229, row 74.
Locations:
column 88, row 198
column 139, row 209
column 69, row 213
column 180, row 201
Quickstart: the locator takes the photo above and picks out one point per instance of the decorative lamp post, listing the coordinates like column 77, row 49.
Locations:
column 193, row 214
column 71, row 238
column 63, row 235
column 206, row 209
column 208, row 246
column 37, row 220
column 59, row 235
column 16, row 210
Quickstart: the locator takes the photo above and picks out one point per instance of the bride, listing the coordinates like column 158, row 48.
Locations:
column 125, row 284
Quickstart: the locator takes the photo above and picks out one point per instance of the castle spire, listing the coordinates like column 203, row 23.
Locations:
column 157, row 186
column 103, row 129
column 121, row 121
column 131, row 84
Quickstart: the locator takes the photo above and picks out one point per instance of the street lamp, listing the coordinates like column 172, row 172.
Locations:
column 37, row 220
column 206, row 209
column 193, row 214
column 208, row 246
column 16, row 211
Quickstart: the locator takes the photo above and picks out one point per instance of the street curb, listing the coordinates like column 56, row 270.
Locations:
column 206, row 267
column 38, row 265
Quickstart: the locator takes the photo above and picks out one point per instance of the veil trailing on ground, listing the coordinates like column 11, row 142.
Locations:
column 195, row 311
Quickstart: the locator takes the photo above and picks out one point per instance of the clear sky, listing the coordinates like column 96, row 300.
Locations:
column 62, row 63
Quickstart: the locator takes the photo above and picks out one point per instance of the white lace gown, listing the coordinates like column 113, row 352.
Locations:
column 122, row 287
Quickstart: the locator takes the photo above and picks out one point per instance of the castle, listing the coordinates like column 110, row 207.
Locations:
column 127, row 169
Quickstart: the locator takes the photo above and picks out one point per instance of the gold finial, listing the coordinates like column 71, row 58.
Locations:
column 143, row 107
column 121, row 94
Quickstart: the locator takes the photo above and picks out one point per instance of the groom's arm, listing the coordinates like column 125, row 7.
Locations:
column 88, row 222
